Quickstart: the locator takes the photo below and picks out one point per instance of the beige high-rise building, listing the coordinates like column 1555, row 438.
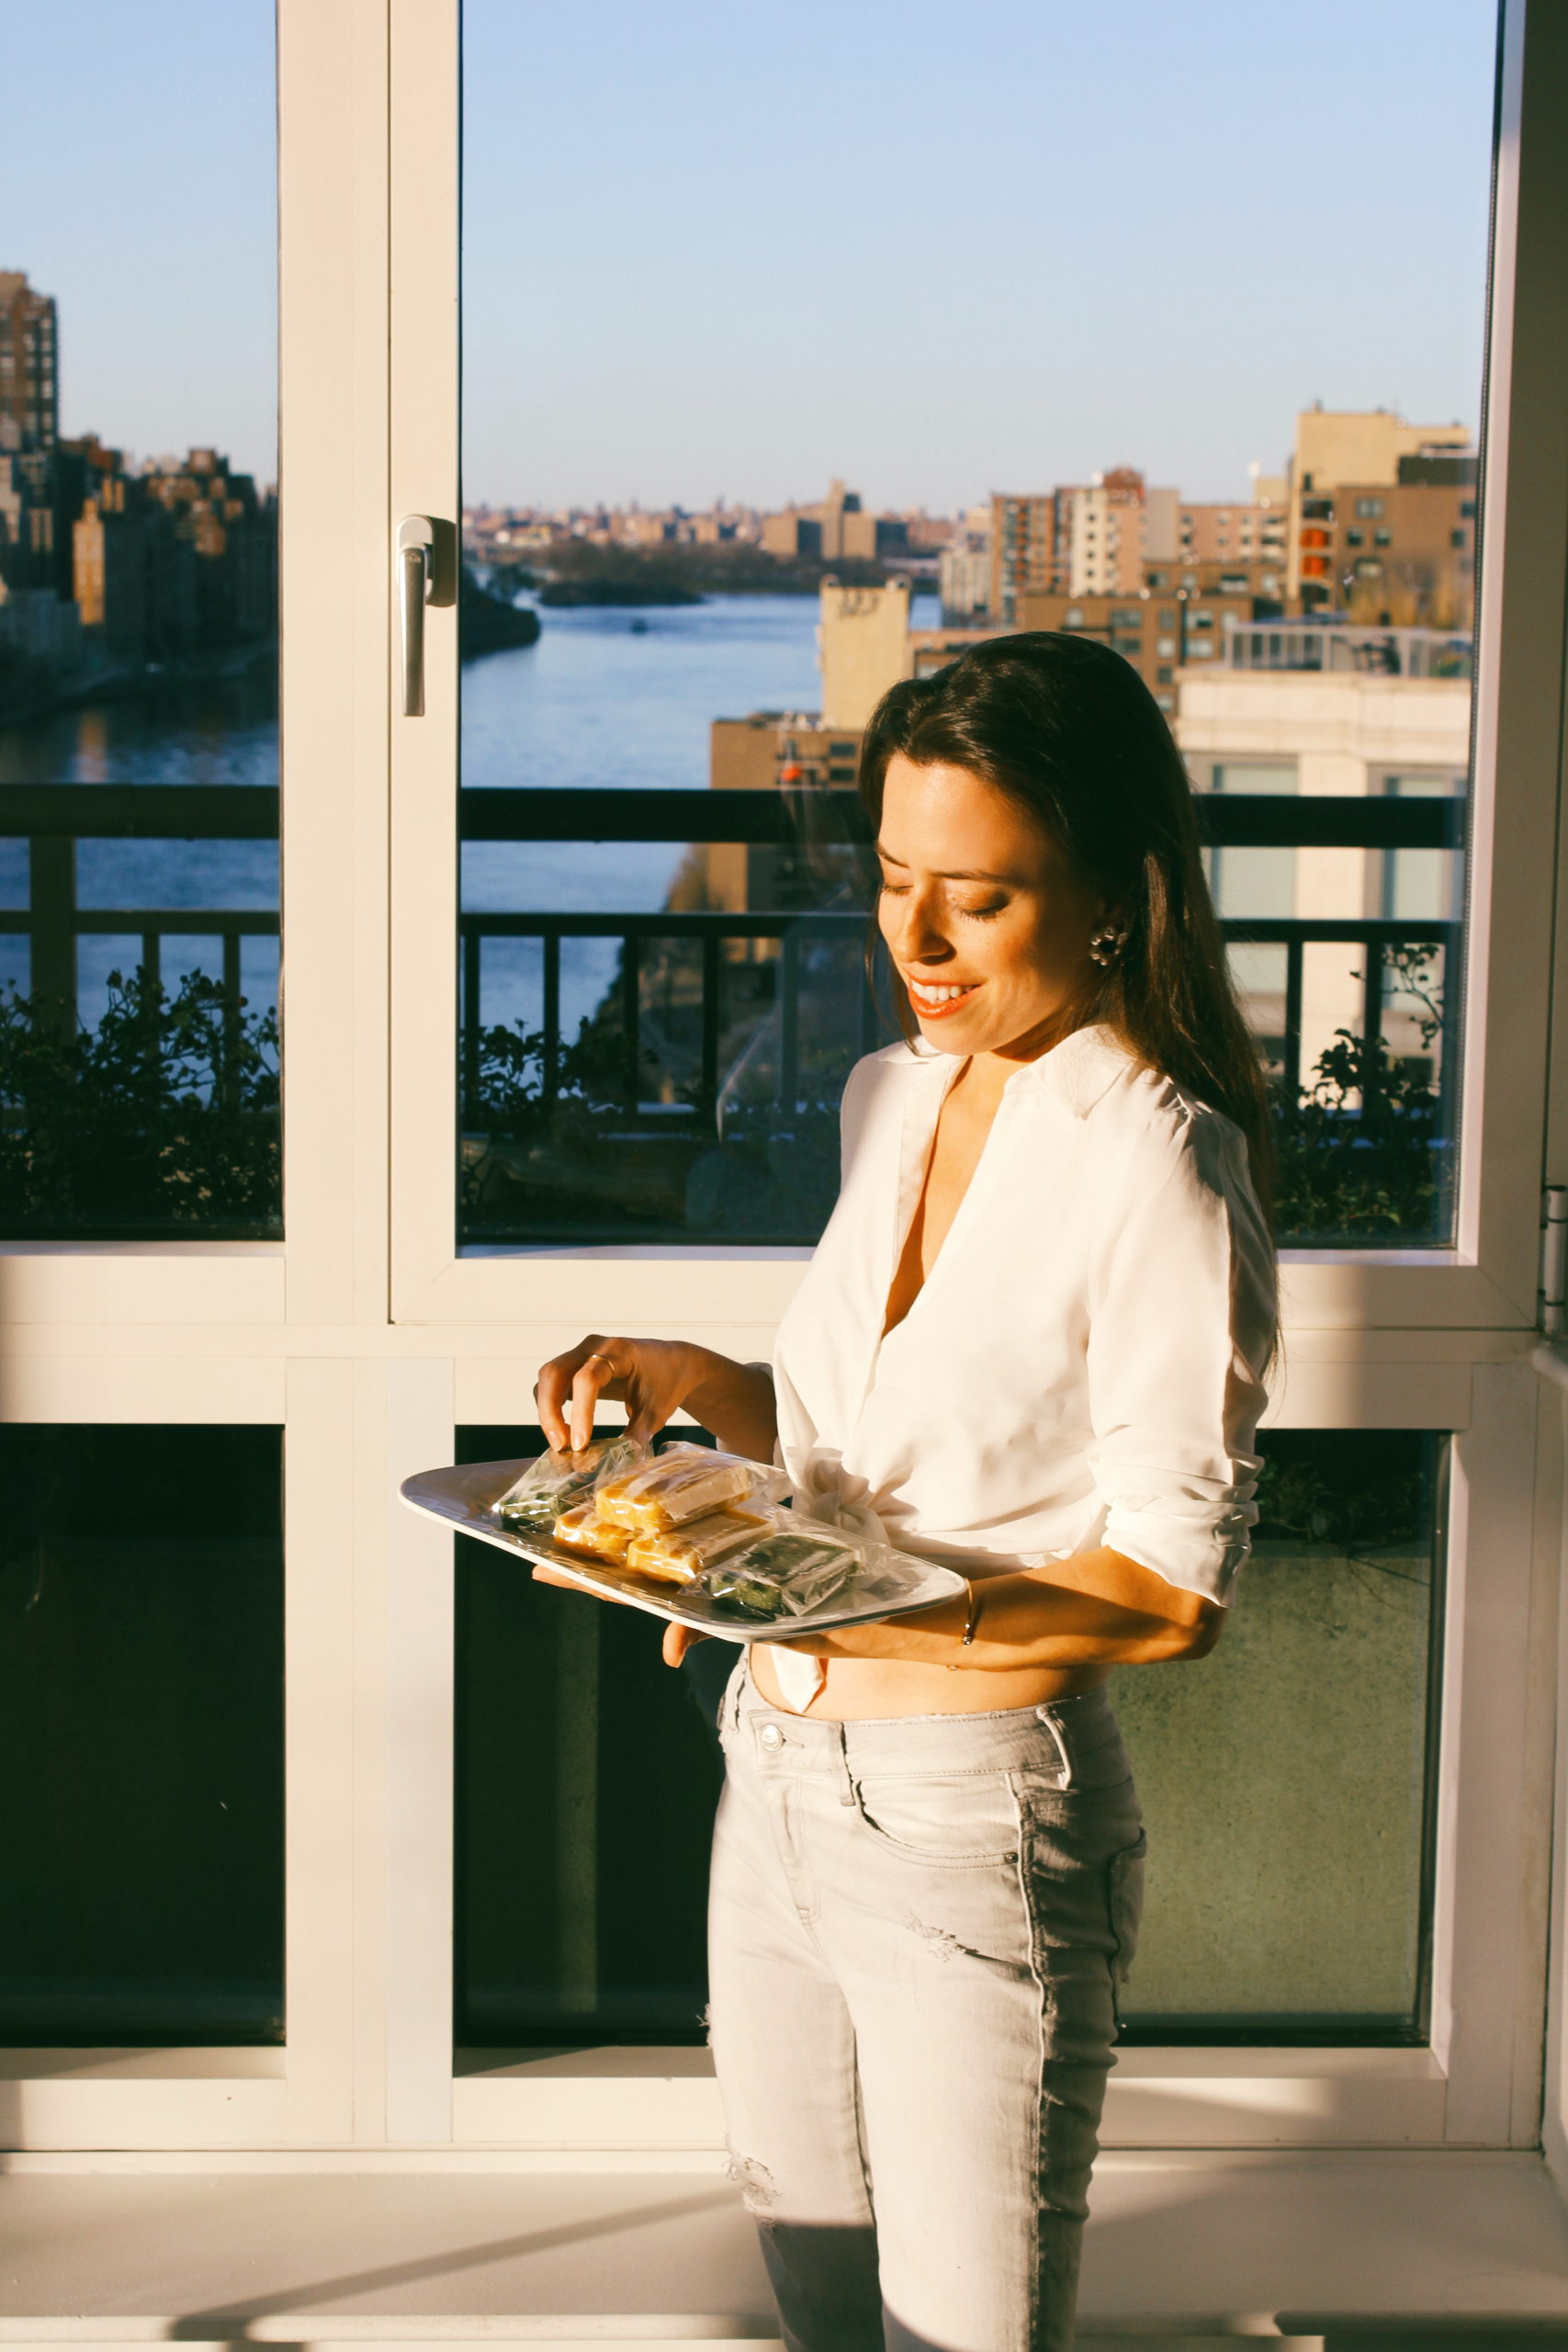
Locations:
column 833, row 515
column 838, row 530
column 862, row 648
column 1336, row 448
column 794, row 532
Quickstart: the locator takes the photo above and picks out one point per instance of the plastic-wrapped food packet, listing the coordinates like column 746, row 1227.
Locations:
column 787, row 1573
column 680, row 1554
column 581, row 1529
column 683, row 1483
column 555, row 1483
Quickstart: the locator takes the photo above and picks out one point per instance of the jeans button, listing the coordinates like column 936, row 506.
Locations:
column 771, row 1735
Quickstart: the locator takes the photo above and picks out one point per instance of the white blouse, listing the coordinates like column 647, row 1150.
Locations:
column 1084, row 1364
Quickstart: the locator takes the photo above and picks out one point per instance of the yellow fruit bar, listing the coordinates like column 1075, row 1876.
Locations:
column 680, row 1554
column 674, row 1488
column 582, row 1529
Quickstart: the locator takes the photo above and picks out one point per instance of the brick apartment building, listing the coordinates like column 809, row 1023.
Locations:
column 1083, row 539
column 1400, row 552
column 1157, row 633
column 30, row 366
column 1250, row 530
column 1346, row 456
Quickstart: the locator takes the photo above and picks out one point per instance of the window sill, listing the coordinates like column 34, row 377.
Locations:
column 143, row 2099
column 251, row 2061
column 1210, row 2098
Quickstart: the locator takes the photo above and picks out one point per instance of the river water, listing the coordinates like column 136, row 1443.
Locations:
column 605, row 697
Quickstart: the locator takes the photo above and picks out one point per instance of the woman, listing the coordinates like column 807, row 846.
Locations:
column 1032, row 1345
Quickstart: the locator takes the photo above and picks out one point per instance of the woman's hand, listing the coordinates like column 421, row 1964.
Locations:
column 655, row 1379
column 678, row 1639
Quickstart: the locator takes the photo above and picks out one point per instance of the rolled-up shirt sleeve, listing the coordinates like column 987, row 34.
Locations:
column 1181, row 1330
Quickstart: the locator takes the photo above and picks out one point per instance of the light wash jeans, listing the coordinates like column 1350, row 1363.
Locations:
column 917, row 1931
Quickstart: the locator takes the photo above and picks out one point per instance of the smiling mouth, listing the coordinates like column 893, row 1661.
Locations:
column 933, row 1001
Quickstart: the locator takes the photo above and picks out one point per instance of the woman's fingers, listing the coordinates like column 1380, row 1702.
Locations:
column 678, row 1640
column 570, row 1386
column 543, row 1575
column 594, row 1379
column 650, row 1377
column 552, row 1393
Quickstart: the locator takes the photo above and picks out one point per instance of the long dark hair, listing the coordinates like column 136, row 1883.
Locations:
column 1069, row 733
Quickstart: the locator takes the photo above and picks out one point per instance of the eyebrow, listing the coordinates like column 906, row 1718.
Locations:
column 952, row 874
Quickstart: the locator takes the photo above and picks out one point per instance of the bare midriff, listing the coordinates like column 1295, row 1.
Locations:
column 859, row 1690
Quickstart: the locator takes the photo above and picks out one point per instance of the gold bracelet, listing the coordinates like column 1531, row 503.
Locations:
column 971, row 1621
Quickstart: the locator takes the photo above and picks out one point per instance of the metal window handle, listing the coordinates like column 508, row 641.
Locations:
column 416, row 579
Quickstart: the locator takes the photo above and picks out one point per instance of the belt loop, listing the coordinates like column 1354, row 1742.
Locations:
column 1044, row 1715
column 841, row 1764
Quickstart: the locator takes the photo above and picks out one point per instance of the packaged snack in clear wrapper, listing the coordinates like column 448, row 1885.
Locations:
column 580, row 1529
column 681, row 1554
column 553, row 1483
column 757, row 1569
column 683, row 1483
column 789, row 1573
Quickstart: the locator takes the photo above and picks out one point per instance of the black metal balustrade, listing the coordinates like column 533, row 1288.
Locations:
column 1232, row 821
column 712, row 932
column 53, row 818
column 778, row 947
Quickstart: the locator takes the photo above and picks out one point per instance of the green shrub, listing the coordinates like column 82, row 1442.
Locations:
column 165, row 1116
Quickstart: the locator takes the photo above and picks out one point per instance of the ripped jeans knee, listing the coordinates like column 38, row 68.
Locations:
column 755, row 2183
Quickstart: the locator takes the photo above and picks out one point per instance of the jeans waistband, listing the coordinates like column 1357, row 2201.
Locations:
column 1079, row 1733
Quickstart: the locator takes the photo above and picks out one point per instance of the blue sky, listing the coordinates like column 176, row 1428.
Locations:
column 137, row 186
column 717, row 246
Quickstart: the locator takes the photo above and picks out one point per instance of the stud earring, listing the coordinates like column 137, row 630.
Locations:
column 1105, row 945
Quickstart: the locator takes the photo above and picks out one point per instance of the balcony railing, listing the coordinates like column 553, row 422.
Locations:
column 1339, row 646
column 53, row 818
column 718, row 975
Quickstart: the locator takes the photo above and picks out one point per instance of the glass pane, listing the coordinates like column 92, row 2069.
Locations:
column 141, row 1695
column 139, row 979
column 710, row 514
column 587, row 1781
column 663, row 1072
column 1285, row 1782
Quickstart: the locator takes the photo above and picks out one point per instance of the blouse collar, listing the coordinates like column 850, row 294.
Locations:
column 1078, row 1071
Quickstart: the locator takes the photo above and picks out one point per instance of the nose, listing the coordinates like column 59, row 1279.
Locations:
column 914, row 936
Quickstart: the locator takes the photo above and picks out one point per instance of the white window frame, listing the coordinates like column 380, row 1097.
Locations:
column 369, row 1338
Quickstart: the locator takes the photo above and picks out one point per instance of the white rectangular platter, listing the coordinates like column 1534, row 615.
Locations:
column 464, row 1495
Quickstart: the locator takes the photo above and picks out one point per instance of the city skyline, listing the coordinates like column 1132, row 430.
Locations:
column 724, row 269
